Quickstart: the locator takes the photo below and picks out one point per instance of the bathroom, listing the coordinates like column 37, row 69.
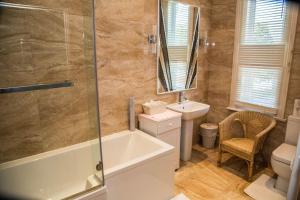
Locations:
column 69, row 69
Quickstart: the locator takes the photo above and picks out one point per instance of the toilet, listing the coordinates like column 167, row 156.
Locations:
column 283, row 156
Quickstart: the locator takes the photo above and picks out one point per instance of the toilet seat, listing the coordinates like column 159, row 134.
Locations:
column 281, row 160
column 285, row 153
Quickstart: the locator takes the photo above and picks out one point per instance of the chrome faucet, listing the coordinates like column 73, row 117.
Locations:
column 181, row 97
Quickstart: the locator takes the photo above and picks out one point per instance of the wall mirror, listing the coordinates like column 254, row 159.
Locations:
column 178, row 44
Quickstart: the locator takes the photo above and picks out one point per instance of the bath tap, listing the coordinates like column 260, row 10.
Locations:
column 99, row 166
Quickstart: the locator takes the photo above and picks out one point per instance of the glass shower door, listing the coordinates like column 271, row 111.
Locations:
column 48, row 98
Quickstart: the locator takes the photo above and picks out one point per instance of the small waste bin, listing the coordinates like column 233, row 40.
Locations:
column 208, row 131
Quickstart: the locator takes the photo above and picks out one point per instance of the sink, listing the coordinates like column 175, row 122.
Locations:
column 190, row 109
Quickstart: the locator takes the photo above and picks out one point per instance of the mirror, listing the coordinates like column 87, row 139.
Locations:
column 178, row 45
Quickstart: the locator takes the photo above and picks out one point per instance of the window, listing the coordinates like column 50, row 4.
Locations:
column 179, row 29
column 265, row 31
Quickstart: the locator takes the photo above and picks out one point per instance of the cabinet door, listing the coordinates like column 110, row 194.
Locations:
column 172, row 137
column 168, row 125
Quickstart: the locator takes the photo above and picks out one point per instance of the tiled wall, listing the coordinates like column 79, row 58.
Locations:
column 35, row 122
column 40, row 47
column 220, row 68
column 220, row 57
column 125, row 66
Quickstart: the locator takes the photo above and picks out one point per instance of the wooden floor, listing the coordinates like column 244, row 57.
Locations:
column 200, row 178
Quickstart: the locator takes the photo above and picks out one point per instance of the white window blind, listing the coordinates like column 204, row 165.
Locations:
column 260, row 64
column 178, row 37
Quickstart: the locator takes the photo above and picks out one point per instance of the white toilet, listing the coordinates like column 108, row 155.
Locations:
column 283, row 156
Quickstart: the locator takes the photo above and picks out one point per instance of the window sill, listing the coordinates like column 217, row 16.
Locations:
column 240, row 109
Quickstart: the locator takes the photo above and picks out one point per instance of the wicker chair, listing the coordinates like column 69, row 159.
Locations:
column 255, row 128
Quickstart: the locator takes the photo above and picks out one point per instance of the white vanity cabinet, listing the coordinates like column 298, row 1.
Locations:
column 165, row 126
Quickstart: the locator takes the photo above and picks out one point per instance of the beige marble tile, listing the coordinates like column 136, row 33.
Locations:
column 128, row 10
column 19, row 125
column 219, row 81
column 218, row 113
column 223, row 15
column 78, row 7
column 56, row 47
column 222, row 2
column 222, row 37
column 122, row 41
column 10, row 55
column 126, row 67
column 8, row 79
column 55, row 29
column 221, row 56
column 218, row 98
column 13, row 32
column 294, row 84
column 274, row 139
column 13, row 25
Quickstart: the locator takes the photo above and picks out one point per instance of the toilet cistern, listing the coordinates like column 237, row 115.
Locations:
column 296, row 111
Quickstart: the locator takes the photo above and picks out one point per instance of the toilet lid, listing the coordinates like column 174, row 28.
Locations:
column 284, row 153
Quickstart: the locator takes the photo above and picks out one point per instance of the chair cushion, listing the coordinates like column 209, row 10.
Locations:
column 241, row 147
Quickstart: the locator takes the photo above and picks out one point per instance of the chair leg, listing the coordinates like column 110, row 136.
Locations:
column 220, row 158
column 250, row 170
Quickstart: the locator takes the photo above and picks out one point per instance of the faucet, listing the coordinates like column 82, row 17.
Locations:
column 181, row 97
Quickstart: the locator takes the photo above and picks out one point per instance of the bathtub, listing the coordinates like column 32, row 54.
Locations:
column 136, row 167
column 52, row 175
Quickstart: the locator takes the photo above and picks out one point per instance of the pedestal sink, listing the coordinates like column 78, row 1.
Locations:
column 190, row 110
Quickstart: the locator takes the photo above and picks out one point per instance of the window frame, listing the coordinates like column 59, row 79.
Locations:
column 287, row 64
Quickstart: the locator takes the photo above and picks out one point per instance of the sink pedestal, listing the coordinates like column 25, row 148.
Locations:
column 186, row 139
column 190, row 110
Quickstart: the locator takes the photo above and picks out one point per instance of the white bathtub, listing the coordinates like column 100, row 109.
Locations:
column 52, row 175
column 136, row 167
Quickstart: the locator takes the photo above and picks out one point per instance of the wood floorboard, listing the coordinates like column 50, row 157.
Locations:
column 201, row 179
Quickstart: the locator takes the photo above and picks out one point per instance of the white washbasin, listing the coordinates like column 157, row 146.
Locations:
column 190, row 109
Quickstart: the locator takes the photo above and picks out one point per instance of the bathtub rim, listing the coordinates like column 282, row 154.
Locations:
column 90, row 193
column 40, row 156
column 165, row 149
